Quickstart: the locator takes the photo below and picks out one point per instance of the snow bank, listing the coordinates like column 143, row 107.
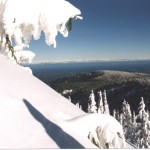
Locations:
column 103, row 126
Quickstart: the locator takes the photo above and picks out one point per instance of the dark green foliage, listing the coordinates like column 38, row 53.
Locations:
column 69, row 24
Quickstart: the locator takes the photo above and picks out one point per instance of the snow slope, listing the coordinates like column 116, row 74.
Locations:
column 30, row 112
column 35, row 116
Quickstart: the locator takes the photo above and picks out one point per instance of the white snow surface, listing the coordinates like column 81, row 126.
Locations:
column 35, row 116
column 103, row 125
column 30, row 112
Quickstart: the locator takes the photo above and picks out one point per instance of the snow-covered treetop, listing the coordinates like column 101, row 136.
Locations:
column 92, row 104
column 20, row 20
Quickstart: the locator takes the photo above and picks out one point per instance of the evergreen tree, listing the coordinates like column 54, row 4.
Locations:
column 106, row 106
column 114, row 113
column 121, row 119
column 142, row 118
column 69, row 98
column 92, row 104
column 100, row 104
column 127, row 120
column 118, row 115
column 134, row 130
column 78, row 105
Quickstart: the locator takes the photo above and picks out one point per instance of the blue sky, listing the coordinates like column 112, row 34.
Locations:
column 110, row 29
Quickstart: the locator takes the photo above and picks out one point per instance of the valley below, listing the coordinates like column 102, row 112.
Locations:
column 119, row 86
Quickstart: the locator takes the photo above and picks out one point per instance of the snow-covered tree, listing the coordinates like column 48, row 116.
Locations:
column 100, row 108
column 106, row 106
column 22, row 20
column 92, row 104
column 134, row 130
column 143, row 126
column 69, row 98
column 127, row 120
column 116, row 114
column 78, row 105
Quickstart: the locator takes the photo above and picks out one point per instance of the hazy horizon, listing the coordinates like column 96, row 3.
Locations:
column 89, row 60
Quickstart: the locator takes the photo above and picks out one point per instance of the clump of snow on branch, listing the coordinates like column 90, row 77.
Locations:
column 20, row 20
column 25, row 56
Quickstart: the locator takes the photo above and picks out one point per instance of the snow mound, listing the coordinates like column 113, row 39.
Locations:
column 104, row 127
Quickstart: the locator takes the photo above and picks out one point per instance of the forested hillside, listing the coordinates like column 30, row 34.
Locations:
column 119, row 86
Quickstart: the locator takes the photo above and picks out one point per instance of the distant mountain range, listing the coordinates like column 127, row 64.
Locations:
column 119, row 85
column 89, row 60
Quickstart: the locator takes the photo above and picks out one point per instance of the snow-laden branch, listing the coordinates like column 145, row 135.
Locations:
column 20, row 20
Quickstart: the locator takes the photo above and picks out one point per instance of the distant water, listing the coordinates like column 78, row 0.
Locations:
column 49, row 72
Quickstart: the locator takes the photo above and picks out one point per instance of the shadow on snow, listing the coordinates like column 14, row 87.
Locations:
column 62, row 139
